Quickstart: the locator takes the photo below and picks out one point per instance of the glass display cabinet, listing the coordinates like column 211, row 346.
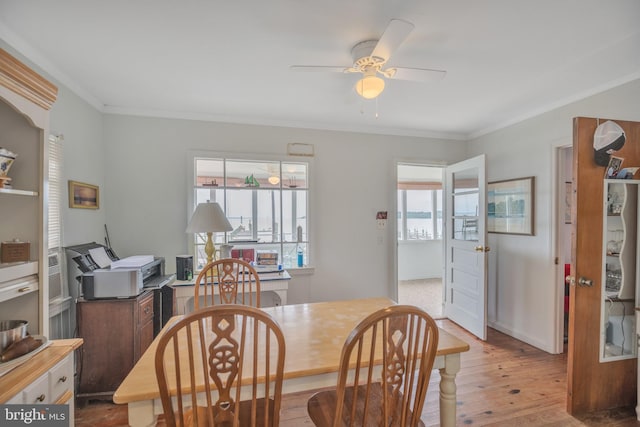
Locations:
column 619, row 272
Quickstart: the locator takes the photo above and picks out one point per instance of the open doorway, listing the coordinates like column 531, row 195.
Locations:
column 563, row 240
column 419, row 237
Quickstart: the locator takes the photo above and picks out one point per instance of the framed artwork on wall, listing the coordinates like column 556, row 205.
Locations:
column 511, row 206
column 83, row 196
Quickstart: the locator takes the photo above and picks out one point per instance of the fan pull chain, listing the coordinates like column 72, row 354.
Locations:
column 376, row 107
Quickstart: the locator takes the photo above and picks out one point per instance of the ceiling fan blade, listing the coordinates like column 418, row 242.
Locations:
column 414, row 74
column 321, row 68
column 396, row 32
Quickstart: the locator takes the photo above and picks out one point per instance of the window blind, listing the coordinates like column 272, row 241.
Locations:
column 55, row 192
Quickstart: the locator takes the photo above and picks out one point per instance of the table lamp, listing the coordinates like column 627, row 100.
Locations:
column 208, row 218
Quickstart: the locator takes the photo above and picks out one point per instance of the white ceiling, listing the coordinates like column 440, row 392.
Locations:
column 506, row 60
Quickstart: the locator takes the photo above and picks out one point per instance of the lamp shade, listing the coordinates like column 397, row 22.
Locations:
column 370, row 87
column 207, row 218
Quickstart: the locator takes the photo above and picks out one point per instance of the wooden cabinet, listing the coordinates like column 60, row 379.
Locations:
column 620, row 257
column 25, row 100
column 116, row 333
column 45, row 378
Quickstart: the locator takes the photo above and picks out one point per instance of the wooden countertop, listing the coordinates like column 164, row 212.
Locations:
column 314, row 335
column 20, row 377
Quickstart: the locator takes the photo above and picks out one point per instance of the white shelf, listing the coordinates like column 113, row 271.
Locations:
column 15, row 270
column 18, row 192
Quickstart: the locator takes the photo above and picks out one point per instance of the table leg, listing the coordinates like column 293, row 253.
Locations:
column 283, row 296
column 141, row 414
column 448, row 390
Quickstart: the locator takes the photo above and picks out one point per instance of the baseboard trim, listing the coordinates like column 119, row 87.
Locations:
column 521, row 336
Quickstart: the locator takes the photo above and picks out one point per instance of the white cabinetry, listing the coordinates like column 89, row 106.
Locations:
column 620, row 275
column 25, row 100
column 48, row 377
column 54, row 386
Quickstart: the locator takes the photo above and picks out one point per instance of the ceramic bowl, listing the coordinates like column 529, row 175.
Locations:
column 6, row 160
column 10, row 331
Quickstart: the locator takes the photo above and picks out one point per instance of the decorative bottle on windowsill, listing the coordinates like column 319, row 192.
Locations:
column 300, row 257
column 299, row 250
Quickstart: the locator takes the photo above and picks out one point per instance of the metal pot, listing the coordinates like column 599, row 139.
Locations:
column 10, row 331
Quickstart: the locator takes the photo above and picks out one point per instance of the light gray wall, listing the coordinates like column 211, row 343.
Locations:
column 353, row 177
column 83, row 159
column 420, row 259
column 81, row 125
column 523, row 290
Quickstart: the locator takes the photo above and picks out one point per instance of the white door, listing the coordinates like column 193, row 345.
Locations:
column 465, row 245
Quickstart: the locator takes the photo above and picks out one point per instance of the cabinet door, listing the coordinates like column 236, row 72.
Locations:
column 620, row 241
column 145, row 324
column 108, row 328
column 61, row 378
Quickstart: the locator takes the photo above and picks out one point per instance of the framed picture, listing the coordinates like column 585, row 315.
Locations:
column 83, row 196
column 615, row 164
column 511, row 206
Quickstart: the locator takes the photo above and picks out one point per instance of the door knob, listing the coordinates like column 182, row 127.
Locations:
column 583, row 281
column 482, row 248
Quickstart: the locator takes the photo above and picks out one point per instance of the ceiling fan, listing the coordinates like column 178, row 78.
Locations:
column 370, row 57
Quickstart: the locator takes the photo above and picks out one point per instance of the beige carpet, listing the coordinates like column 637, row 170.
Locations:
column 425, row 293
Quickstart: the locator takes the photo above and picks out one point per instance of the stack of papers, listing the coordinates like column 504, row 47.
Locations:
column 136, row 261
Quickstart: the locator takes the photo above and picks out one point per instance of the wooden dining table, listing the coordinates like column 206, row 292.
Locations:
column 314, row 335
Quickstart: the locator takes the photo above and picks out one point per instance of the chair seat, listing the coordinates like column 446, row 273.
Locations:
column 321, row 407
column 245, row 415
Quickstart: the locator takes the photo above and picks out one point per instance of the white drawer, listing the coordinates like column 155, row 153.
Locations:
column 37, row 391
column 17, row 288
column 50, row 386
column 18, row 399
column 60, row 379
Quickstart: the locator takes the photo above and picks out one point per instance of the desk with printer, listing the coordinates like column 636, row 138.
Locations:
column 121, row 304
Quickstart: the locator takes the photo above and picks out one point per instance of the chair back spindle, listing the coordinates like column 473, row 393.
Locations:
column 236, row 280
column 221, row 366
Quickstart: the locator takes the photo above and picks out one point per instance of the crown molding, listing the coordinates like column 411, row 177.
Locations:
column 19, row 78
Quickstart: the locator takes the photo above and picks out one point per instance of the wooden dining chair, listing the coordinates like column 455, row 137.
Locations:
column 385, row 367
column 227, row 358
column 236, row 280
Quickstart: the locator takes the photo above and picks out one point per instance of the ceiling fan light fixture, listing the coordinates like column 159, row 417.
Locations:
column 369, row 87
column 274, row 180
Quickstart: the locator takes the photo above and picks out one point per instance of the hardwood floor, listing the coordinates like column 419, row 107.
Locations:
column 502, row 382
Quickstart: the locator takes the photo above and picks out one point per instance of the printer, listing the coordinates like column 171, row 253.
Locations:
column 126, row 278
column 102, row 274
column 89, row 278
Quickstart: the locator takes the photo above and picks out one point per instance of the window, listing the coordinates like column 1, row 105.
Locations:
column 419, row 214
column 419, row 203
column 266, row 202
